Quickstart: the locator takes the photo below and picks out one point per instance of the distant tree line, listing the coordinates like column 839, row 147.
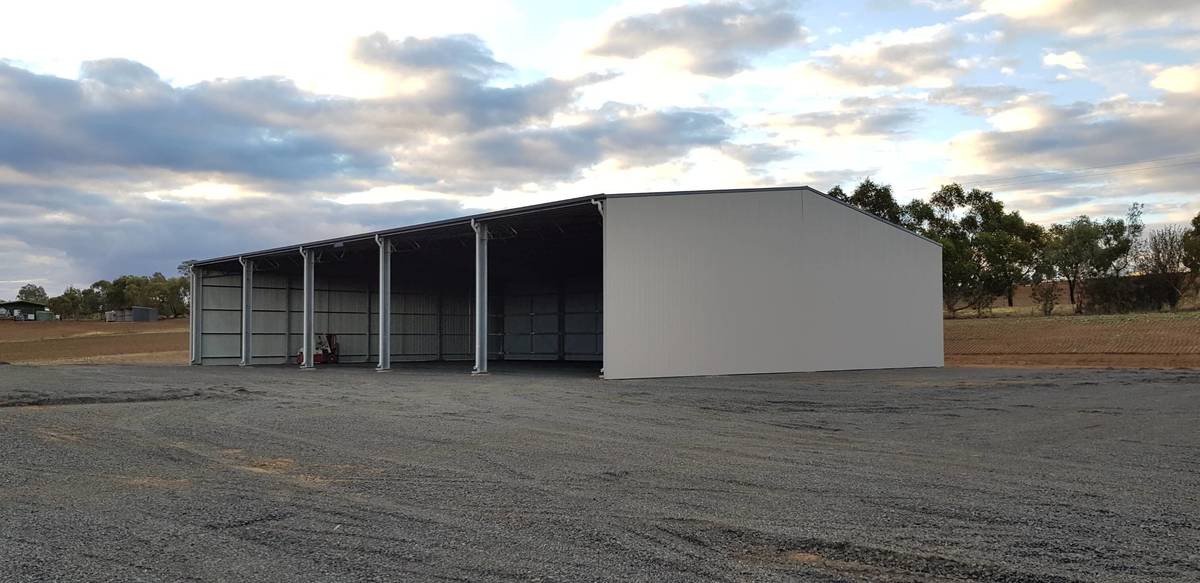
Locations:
column 168, row 294
column 1106, row 265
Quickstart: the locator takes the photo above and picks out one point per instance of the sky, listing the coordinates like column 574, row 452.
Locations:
column 135, row 135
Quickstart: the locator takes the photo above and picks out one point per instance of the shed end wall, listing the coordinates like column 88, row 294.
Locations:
column 760, row 282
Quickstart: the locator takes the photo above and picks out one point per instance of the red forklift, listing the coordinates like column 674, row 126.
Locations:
column 325, row 351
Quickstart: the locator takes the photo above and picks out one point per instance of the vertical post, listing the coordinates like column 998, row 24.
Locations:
column 196, row 313
column 287, row 320
column 385, row 303
column 481, row 297
column 438, row 325
column 603, row 269
column 247, row 310
column 310, row 301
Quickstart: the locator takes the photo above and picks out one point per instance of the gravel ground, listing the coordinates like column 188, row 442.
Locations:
column 144, row 473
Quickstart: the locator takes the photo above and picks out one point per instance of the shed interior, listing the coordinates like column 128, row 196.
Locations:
column 545, row 295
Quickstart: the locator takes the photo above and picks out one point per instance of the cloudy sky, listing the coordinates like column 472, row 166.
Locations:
column 137, row 134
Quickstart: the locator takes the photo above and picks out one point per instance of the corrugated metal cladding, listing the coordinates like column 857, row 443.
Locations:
column 768, row 281
column 346, row 308
column 528, row 321
column 672, row 284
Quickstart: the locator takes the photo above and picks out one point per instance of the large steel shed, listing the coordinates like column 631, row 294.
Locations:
column 643, row 284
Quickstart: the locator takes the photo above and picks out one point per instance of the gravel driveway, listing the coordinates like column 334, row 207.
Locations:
column 144, row 473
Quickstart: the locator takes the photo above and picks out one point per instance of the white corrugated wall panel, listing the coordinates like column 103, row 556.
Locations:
column 220, row 316
column 756, row 282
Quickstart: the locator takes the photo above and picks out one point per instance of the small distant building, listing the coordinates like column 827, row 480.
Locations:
column 22, row 310
column 134, row 314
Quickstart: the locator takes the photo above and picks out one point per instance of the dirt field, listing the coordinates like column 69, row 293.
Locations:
column 1132, row 340
column 1123, row 341
column 124, row 473
column 66, row 342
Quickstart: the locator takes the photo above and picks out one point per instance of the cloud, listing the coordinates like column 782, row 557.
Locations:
column 64, row 236
column 974, row 99
column 1067, row 60
column 1182, row 79
column 465, row 55
column 919, row 57
column 824, row 180
column 758, row 154
column 720, row 38
column 1091, row 17
column 862, row 116
column 120, row 114
column 508, row 157
column 118, row 170
column 1118, row 147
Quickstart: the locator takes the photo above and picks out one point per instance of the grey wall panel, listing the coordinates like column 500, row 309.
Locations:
column 218, row 279
column 220, row 318
column 782, row 281
column 269, row 322
column 221, row 322
column 216, row 346
column 269, row 299
column 346, row 324
column 269, row 348
column 416, row 345
column 582, row 343
column 222, row 298
column 232, row 361
column 267, row 279
column 415, row 324
column 350, row 346
column 582, row 324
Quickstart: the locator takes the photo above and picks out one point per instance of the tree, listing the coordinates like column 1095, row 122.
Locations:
column 1118, row 243
column 33, row 293
column 1071, row 248
column 838, row 193
column 1191, row 247
column 167, row 294
column 108, row 296
column 69, row 304
column 1164, row 262
column 89, row 302
column 876, row 199
column 1109, row 291
column 986, row 251
column 1046, row 292
column 1009, row 245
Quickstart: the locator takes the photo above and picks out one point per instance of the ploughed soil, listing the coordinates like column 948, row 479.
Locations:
column 1118, row 341
column 90, row 341
column 543, row 473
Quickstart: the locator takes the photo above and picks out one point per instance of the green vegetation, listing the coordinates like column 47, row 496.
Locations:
column 168, row 294
column 32, row 293
column 1107, row 265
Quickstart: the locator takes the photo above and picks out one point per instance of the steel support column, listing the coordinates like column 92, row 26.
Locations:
column 481, row 297
column 603, row 267
column 247, row 311
column 385, row 303
column 310, row 301
column 195, row 315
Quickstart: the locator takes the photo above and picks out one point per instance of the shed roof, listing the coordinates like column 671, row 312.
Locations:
column 18, row 304
column 466, row 221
